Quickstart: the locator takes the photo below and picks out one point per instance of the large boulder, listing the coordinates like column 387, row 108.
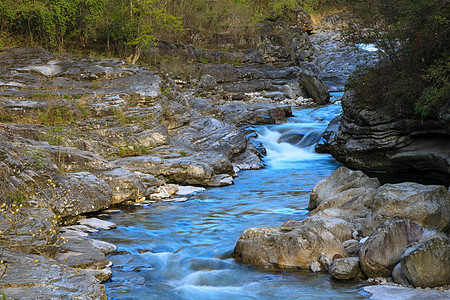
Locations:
column 339, row 227
column 314, row 88
column 344, row 194
column 383, row 249
column 427, row 264
column 425, row 205
column 287, row 247
column 371, row 138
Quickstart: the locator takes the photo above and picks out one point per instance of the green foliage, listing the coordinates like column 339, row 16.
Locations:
column 414, row 36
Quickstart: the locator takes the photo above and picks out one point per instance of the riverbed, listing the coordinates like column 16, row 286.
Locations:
column 184, row 250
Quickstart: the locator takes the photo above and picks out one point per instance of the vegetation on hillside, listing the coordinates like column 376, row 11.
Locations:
column 413, row 78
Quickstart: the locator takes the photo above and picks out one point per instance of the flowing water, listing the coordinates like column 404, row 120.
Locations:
column 183, row 250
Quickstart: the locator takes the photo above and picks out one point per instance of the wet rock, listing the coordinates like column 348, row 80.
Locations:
column 403, row 293
column 426, row 264
column 383, row 249
column 425, row 205
column 346, row 269
column 270, row 247
column 30, row 275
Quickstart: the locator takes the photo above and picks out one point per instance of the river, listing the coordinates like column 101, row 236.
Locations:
column 184, row 250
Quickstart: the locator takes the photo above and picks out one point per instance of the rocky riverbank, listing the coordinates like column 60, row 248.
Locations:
column 80, row 134
column 358, row 229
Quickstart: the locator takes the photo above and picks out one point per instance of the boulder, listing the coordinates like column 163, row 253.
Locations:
column 427, row 264
column 346, row 269
column 428, row 205
column 344, row 194
column 383, row 249
column 272, row 247
column 399, row 276
column 339, row 227
column 314, row 88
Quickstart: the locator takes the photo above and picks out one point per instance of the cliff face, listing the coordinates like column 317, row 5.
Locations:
column 373, row 140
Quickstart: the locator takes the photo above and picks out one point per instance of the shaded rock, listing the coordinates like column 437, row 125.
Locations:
column 30, row 275
column 271, row 247
column 291, row 138
column 346, row 269
column 399, row 276
column 207, row 82
column 314, row 88
column 383, row 250
column 425, row 205
column 427, row 264
column 274, row 54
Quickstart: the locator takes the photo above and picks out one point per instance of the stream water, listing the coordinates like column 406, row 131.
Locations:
column 183, row 250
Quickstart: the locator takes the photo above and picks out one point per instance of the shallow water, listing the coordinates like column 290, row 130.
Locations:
column 183, row 250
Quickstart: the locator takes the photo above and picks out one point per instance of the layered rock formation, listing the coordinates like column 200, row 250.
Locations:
column 371, row 139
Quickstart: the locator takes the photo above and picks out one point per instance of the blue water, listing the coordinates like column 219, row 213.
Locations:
column 183, row 250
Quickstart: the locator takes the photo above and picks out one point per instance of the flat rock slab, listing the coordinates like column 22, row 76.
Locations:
column 385, row 292
column 98, row 224
column 31, row 277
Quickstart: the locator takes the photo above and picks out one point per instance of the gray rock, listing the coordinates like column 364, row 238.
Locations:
column 383, row 249
column 427, row 264
column 339, row 227
column 97, row 223
column 30, row 275
column 207, row 82
column 314, row 88
column 386, row 292
column 271, row 247
column 425, row 205
column 346, row 269
column 399, row 276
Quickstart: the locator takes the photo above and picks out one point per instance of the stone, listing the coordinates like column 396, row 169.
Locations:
column 349, row 243
column 399, row 276
column 189, row 190
column 339, row 227
column 315, row 267
column 346, row 269
column 325, row 261
column 105, row 247
column 97, row 223
column 314, row 88
column 428, row 205
column 344, row 194
column 383, row 249
column 30, row 275
column 386, row 292
column 30, row 230
column 271, row 247
column 427, row 264
column 207, row 82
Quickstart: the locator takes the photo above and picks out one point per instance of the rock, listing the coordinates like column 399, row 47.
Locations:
column 97, row 223
column 105, row 247
column 425, row 205
column 189, row 190
column 339, row 227
column 315, row 267
column 274, row 54
column 207, row 82
column 426, row 264
column 383, row 250
column 314, row 88
column 399, row 276
column 370, row 138
column 344, row 194
column 270, row 247
column 346, row 269
column 221, row 180
column 349, row 243
column 386, row 292
column 29, row 276
column 325, row 261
